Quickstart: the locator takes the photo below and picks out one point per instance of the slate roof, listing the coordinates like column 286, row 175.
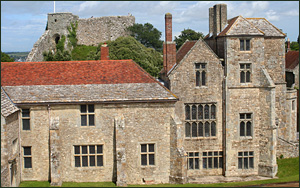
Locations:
column 184, row 49
column 265, row 26
column 80, row 82
column 7, row 106
column 291, row 59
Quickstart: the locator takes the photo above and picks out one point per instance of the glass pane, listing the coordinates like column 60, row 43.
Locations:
column 151, row 159
column 240, row 161
column 191, row 154
column 207, row 129
column 247, row 44
column 99, row 149
column 250, row 153
column 204, row 153
column 242, row 116
column 91, row 108
column 83, row 108
column 242, row 45
column 77, row 149
column 143, row 147
column 83, row 120
column 248, row 116
column 242, row 66
column 84, row 149
column 92, row 161
column 246, row 163
column 221, row 153
column 248, row 66
column 203, row 75
column 194, row 129
column 200, row 129
column 197, row 78
column 27, row 150
column 151, row 147
column 200, row 112
column 191, row 163
column 196, row 154
column 27, row 162
column 91, row 120
column 77, row 161
column 220, row 162
column 206, row 112
column 194, row 112
column 92, row 149
column 209, row 162
column 187, row 130
column 248, row 128
column 210, row 153
column 196, row 163
column 242, row 129
column 216, row 162
column 203, row 65
column 26, row 124
column 213, row 112
column 144, row 159
column 248, row 76
column 25, row 113
column 246, row 153
column 204, row 162
column 251, row 162
column 242, row 77
column 187, row 112
column 99, row 160
column 213, row 128
column 240, row 153
column 197, row 65
column 84, row 161
column 215, row 153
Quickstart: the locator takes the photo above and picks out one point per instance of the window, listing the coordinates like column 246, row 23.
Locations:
column 193, row 160
column 88, row 156
column 147, row 154
column 200, row 120
column 27, row 157
column 212, row 159
column 200, row 74
column 244, row 44
column 87, row 115
column 245, row 72
column 245, row 160
column 26, row 119
column 246, row 124
column 293, row 105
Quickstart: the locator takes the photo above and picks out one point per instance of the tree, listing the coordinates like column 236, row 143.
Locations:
column 58, row 56
column 147, row 35
column 294, row 46
column 6, row 58
column 187, row 34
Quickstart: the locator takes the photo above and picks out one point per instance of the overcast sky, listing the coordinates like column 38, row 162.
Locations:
column 23, row 22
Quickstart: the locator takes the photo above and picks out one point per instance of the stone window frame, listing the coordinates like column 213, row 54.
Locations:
column 200, row 70
column 27, row 156
column 213, row 155
column 147, row 153
column 245, row 120
column 245, row 69
column 193, row 125
column 25, row 118
column 88, row 155
column 87, row 114
column 245, row 160
column 243, row 47
column 192, row 158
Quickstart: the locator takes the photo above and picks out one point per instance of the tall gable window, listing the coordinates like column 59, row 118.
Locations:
column 200, row 69
column 244, row 44
column 87, row 113
column 246, row 124
column 200, row 120
column 245, row 72
column 26, row 119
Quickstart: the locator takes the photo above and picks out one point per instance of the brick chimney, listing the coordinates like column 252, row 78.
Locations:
column 169, row 47
column 217, row 19
column 104, row 52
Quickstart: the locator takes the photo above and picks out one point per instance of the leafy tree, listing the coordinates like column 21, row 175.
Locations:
column 61, row 43
column 72, row 34
column 147, row 35
column 187, row 34
column 294, row 46
column 58, row 56
column 6, row 58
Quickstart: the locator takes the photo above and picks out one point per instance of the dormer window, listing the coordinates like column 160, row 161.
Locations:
column 244, row 44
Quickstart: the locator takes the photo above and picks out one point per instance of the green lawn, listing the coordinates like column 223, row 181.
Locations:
column 288, row 170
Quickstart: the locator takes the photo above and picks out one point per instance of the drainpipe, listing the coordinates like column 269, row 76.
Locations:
column 20, row 147
column 49, row 148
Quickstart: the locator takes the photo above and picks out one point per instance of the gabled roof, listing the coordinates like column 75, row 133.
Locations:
column 265, row 26
column 291, row 59
column 7, row 106
column 80, row 82
column 184, row 49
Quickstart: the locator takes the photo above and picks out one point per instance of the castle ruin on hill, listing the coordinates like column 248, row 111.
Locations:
column 90, row 31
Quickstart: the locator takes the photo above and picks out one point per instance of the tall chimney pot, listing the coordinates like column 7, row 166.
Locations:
column 104, row 52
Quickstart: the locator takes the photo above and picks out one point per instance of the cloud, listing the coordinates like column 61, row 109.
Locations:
column 291, row 13
column 271, row 15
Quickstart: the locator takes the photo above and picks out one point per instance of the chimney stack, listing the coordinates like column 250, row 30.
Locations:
column 217, row 19
column 104, row 52
column 169, row 47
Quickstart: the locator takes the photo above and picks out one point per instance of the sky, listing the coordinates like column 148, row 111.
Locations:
column 23, row 22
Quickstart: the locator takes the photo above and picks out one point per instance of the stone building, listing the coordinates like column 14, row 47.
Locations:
column 292, row 69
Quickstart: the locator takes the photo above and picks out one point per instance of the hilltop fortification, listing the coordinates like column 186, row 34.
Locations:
column 90, row 31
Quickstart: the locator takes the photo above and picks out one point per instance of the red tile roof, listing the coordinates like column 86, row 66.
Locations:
column 291, row 59
column 73, row 73
column 184, row 49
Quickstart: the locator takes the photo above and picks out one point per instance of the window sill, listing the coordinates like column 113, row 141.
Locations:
column 148, row 166
column 201, row 87
column 246, row 137
column 201, row 138
column 246, row 51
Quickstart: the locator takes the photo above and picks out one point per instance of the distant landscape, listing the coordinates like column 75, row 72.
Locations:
column 18, row 56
